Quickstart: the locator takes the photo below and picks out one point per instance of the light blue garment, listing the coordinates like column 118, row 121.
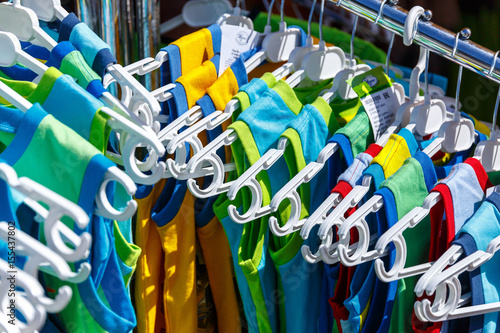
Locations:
column 464, row 187
column 484, row 226
column 356, row 169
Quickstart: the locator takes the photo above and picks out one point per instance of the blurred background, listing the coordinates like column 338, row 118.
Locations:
column 132, row 28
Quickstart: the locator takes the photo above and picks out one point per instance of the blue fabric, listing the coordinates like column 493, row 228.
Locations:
column 120, row 316
column 239, row 71
column 377, row 173
column 410, row 140
column 58, row 53
column 254, row 89
column 361, row 288
column 36, row 51
column 216, row 37
column 96, row 89
column 18, row 72
column 428, row 167
column 67, row 25
column 169, row 202
column 468, row 243
column 72, row 105
column 330, row 276
column 171, row 70
column 177, row 105
column 379, row 317
column 309, row 292
column 96, row 169
column 340, row 160
column 32, row 118
column 103, row 59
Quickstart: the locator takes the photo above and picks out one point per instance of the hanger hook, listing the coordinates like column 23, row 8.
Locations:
column 310, row 19
column 492, row 68
column 411, row 23
column 321, row 20
column 391, row 43
column 339, row 2
column 282, row 10
column 269, row 13
column 495, row 112
column 354, row 27
column 465, row 34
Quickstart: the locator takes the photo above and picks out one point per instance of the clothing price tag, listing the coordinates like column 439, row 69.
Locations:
column 235, row 41
column 381, row 108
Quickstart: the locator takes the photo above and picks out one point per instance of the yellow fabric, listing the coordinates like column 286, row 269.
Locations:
column 149, row 276
column 195, row 49
column 217, row 255
column 393, row 155
column 221, row 93
column 480, row 126
column 179, row 286
column 197, row 81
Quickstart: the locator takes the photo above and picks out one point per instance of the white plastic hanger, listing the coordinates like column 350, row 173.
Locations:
column 12, row 53
column 324, row 64
column 236, row 18
column 426, row 119
column 340, row 87
column 281, row 45
column 23, row 22
column 40, row 257
column 444, row 282
column 293, row 224
column 27, row 28
column 418, row 118
column 316, row 62
column 492, row 162
column 289, row 191
column 58, row 207
column 452, row 139
column 276, row 46
column 27, row 302
column 53, row 9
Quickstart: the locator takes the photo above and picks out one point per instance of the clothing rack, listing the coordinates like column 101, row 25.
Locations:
column 429, row 35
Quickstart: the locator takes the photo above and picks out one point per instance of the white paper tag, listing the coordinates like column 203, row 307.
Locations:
column 235, row 41
column 381, row 108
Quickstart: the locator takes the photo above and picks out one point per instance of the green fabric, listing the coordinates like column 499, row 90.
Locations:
column 363, row 49
column 73, row 64
column 100, row 131
column 65, row 175
column 127, row 252
column 345, row 110
column 359, row 132
column 409, row 179
column 307, row 91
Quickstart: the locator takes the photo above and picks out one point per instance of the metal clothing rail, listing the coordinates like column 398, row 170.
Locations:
column 429, row 35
